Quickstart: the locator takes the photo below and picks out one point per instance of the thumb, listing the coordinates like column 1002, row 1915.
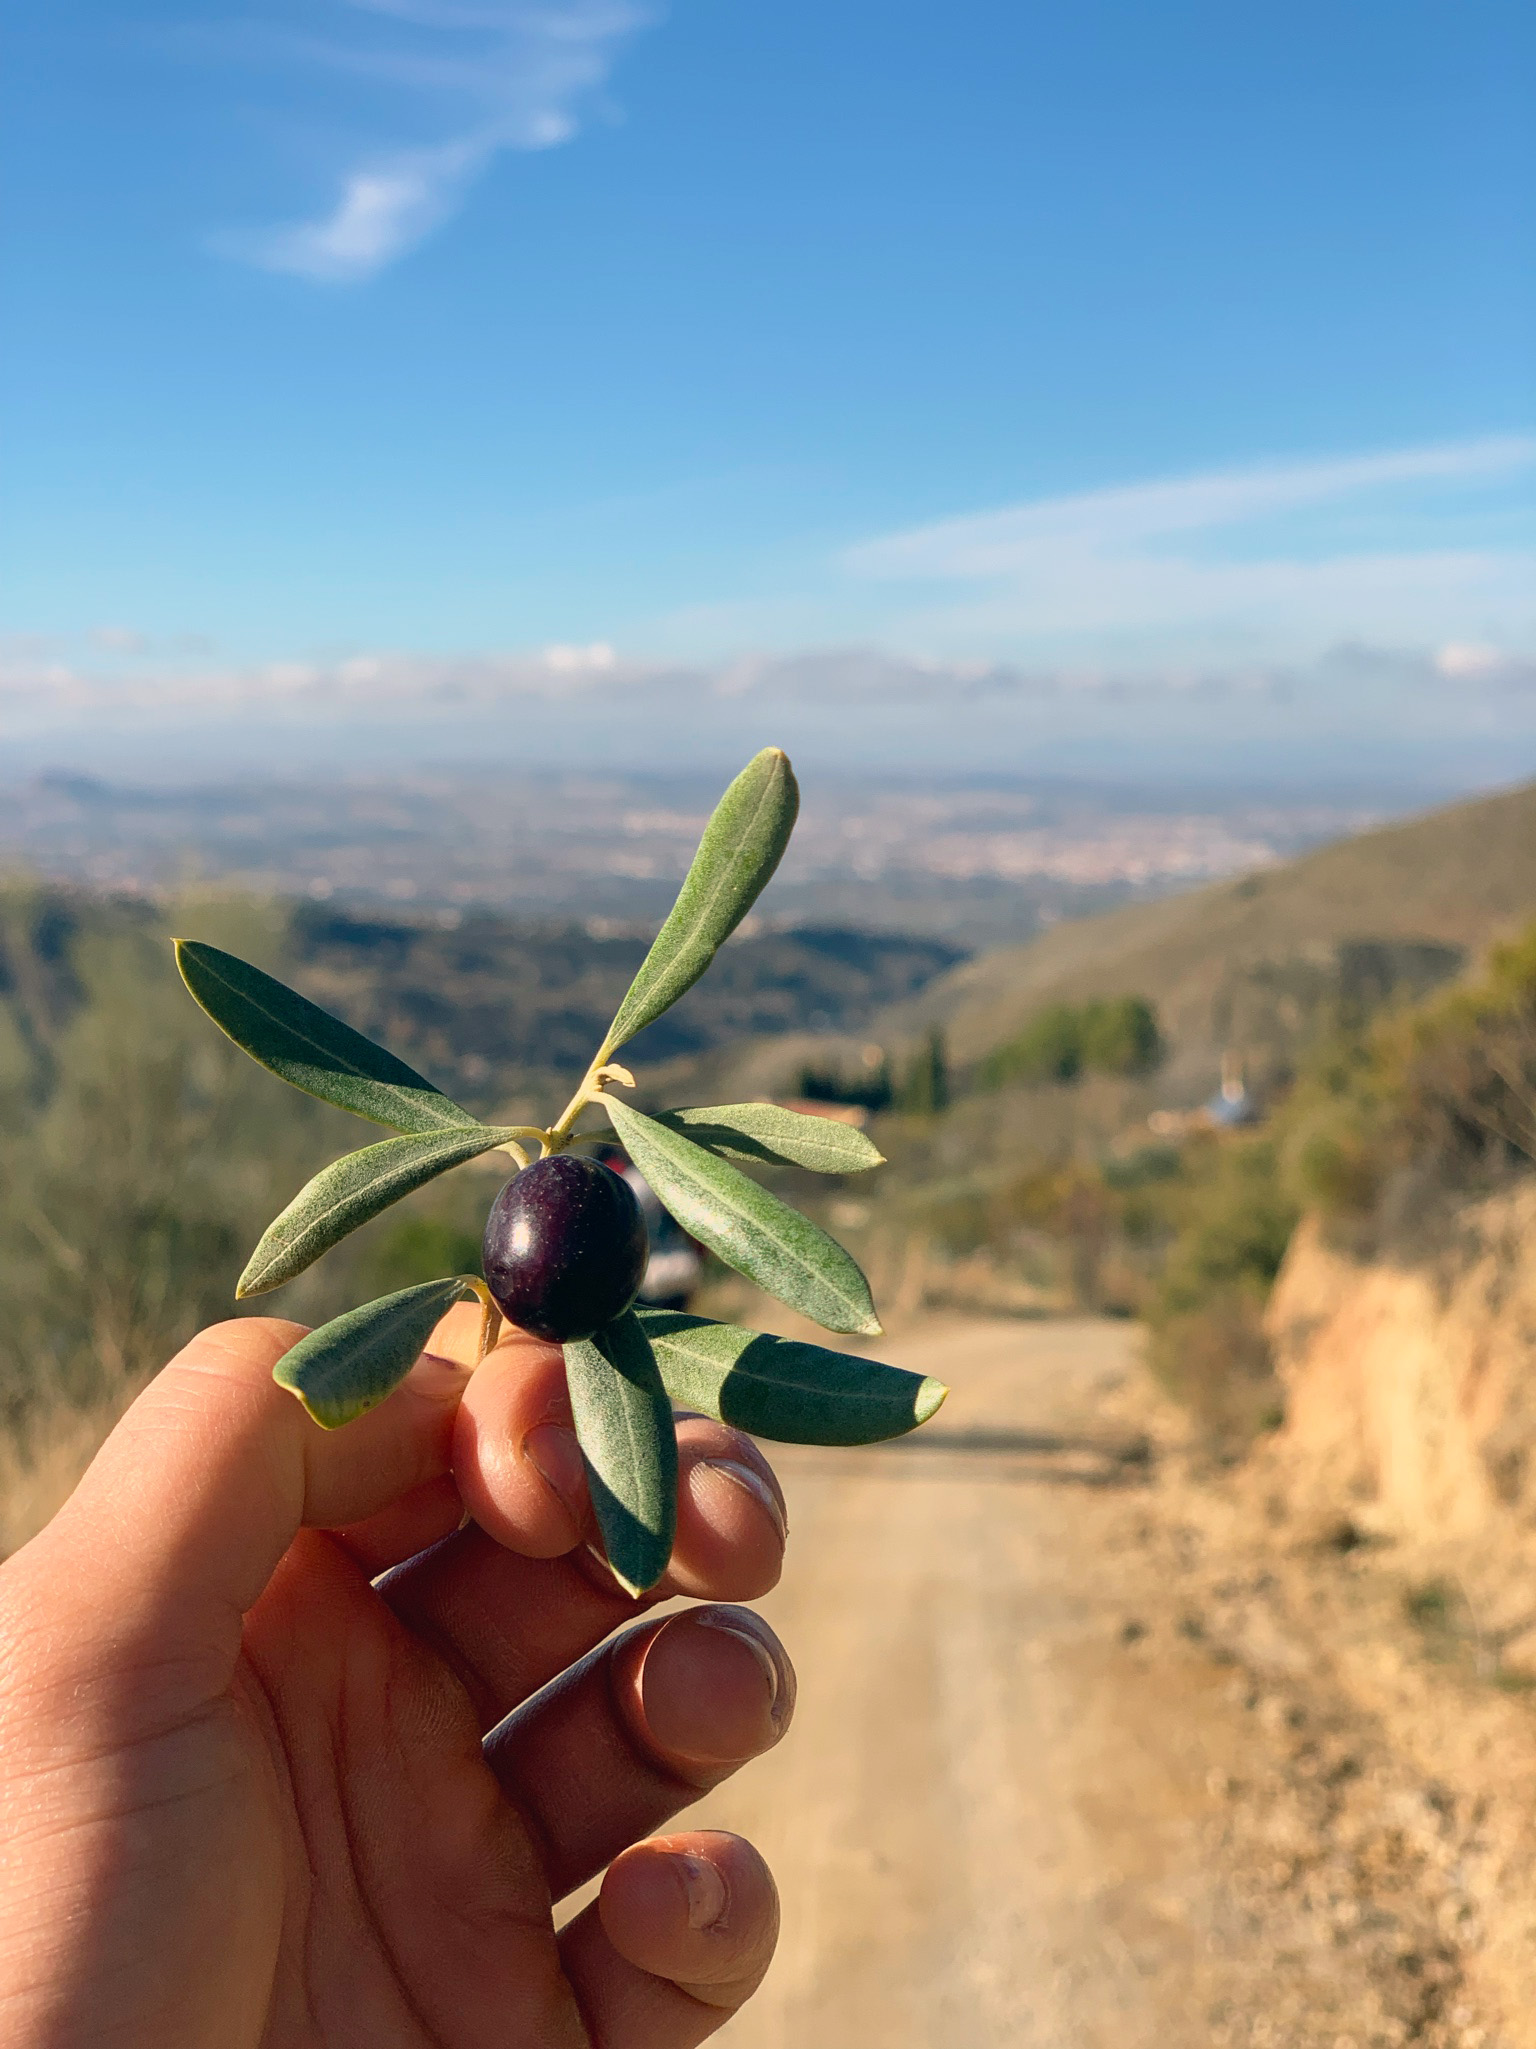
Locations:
column 185, row 1511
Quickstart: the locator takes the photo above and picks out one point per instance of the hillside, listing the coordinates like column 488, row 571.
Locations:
column 488, row 1005
column 1239, row 963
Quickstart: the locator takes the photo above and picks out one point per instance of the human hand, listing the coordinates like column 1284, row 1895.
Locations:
column 252, row 1793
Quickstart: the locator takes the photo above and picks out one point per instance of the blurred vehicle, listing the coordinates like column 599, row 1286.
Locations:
column 676, row 1265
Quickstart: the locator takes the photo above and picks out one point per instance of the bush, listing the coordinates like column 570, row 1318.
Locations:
column 1110, row 1035
column 1237, row 1221
column 870, row 1090
column 137, row 1184
column 1442, row 1095
column 924, row 1089
column 1216, row 1362
column 1120, row 1036
column 1208, row 1348
column 416, row 1249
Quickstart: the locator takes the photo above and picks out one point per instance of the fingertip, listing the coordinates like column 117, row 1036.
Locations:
column 437, row 1377
column 515, row 1457
column 707, row 1690
column 698, row 1908
column 732, row 1525
column 457, row 1334
column 241, row 1344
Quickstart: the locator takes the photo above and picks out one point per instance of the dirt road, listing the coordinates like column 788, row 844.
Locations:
column 1022, row 1802
column 982, row 1825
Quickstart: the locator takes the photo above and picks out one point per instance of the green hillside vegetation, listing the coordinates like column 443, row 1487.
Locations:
column 141, row 1154
column 1435, row 1101
column 1392, row 1123
column 1107, row 1035
column 1254, row 963
column 919, row 1087
column 494, row 1005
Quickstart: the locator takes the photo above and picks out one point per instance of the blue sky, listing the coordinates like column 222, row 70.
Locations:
column 358, row 351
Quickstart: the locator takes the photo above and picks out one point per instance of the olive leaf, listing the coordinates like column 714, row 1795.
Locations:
column 776, row 1137
column 353, row 1189
column 308, row 1047
column 624, row 1425
column 352, row 1363
column 781, row 1388
column 750, row 1229
column 747, row 832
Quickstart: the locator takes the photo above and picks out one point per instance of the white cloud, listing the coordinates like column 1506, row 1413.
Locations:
column 48, row 679
column 1163, row 562
column 499, row 76
column 382, row 213
column 1474, row 661
column 1358, row 711
column 595, row 659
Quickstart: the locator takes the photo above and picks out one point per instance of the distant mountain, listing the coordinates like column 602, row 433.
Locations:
column 1245, row 964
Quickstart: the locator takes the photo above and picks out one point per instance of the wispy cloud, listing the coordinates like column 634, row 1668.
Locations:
column 1268, row 556
column 487, row 78
column 125, row 674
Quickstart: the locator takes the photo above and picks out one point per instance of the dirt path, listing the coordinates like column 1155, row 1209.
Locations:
column 1026, row 1802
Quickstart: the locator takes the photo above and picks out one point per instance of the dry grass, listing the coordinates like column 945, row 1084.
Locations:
column 39, row 1473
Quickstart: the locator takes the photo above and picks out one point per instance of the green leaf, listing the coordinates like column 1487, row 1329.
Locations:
column 352, row 1363
column 308, row 1047
column 742, row 843
column 781, row 1388
column 750, row 1229
column 624, row 1425
column 353, row 1189
column 775, row 1137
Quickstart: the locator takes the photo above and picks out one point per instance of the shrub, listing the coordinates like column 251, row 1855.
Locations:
column 1110, row 1035
column 1238, row 1219
column 871, row 1090
column 417, row 1249
column 1120, row 1036
column 1216, row 1362
column 1443, row 1094
column 1208, row 1347
column 924, row 1089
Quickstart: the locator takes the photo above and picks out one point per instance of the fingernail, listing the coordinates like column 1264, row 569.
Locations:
column 751, row 1483
column 551, row 1449
column 438, row 1377
column 738, row 1623
column 706, row 1891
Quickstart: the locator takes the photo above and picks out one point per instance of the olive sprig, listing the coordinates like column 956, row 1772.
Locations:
column 625, row 1373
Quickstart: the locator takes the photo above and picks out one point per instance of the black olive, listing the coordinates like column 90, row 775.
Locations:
column 565, row 1247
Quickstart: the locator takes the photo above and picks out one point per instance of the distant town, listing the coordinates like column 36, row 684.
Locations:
column 1001, row 860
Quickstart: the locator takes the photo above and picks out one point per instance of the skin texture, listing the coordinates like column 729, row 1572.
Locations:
column 290, row 1760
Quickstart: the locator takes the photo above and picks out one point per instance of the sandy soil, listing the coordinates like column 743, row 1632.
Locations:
column 1063, row 1772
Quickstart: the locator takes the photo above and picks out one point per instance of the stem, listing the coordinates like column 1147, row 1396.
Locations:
column 490, row 1329
column 490, row 1317
column 532, row 1134
column 601, row 1070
